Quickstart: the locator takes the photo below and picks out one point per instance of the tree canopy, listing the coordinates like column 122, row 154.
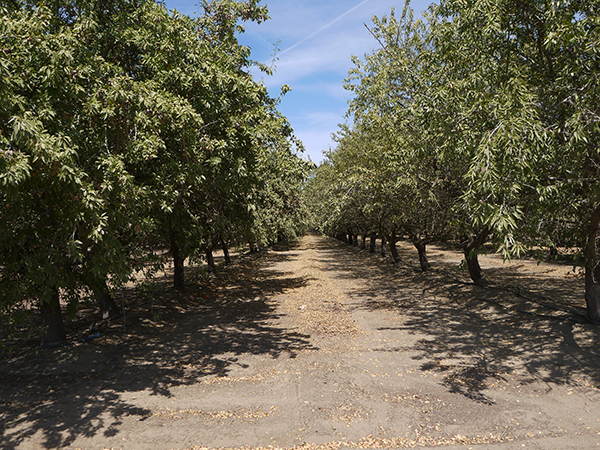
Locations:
column 124, row 128
column 478, row 122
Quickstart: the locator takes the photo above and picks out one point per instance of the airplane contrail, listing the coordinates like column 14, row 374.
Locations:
column 301, row 41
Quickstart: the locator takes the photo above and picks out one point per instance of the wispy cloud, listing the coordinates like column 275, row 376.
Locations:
column 332, row 88
column 314, row 129
column 328, row 57
column 318, row 38
column 324, row 27
column 315, row 142
column 323, row 117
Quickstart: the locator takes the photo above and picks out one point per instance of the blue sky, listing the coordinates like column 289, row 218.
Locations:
column 316, row 40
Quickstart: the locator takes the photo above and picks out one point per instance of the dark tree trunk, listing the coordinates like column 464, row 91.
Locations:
column 226, row 252
column 421, row 247
column 98, row 285
column 252, row 247
column 178, row 260
column 210, row 260
column 592, row 293
column 470, row 251
column 382, row 245
column 105, row 300
column 372, row 242
column 363, row 243
column 355, row 240
column 592, row 268
column 393, row 250
column 54, row 333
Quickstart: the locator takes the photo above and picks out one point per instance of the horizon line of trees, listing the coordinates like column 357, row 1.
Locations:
column 478, row 123
column 125, row 128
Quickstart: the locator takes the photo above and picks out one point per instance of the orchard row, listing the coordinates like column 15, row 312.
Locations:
column 478, row 122
column 124, row 129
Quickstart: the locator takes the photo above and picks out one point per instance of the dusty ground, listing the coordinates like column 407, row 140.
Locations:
column 320, row 346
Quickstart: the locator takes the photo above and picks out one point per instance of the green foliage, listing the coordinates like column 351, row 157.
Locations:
column 482, row 117
column 385, row 168
column 124, row 127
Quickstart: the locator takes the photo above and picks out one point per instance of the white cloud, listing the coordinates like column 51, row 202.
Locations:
column 330, row 57
column 323, row 118
column 314, row 129
column 324, row 27
column 315, row 142
column 333, row 89
column 317, row 39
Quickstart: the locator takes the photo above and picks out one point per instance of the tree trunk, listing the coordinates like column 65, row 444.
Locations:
column 422, row 249
column 178, row 276
column 592, row 268
column 355, row 240
column 210, row 260
column 105, row 300
column 470, row 251
column 98, row 285
column 372, row 242
column 363, row 243
column 383, row 245
column 53, row 334
column 592, row 293
column 393, row 250
column 226, row 252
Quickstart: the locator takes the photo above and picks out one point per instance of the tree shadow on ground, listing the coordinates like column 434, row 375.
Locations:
column 188, row 335
column 526, row 325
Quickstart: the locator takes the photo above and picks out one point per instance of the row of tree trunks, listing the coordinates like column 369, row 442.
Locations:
column 54, row 333
column 53, row 329
column 474, row 242
column 178, row 261
column 470, row 250
column 352, row 238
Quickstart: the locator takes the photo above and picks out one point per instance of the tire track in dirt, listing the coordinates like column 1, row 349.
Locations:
column 316, row 346
column 319, row 307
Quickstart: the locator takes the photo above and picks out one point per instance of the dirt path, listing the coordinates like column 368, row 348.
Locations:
column 323, row 346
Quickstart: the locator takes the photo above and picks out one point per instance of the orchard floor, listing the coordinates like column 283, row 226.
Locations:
column 322, row 346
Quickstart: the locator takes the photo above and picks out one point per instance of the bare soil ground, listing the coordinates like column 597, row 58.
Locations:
column 322, row 346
